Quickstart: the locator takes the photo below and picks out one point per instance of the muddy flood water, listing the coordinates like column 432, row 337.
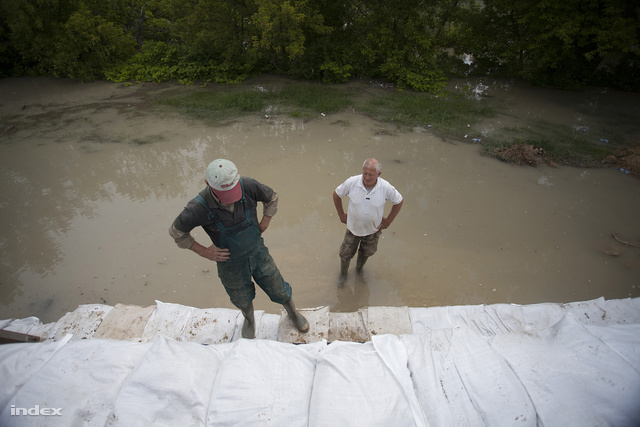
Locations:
column 93, row 175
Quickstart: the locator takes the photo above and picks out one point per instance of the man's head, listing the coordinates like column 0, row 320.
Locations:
column 223, row 178
column 370, row 172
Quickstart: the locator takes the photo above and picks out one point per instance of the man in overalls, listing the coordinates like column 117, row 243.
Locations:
column 227, row 211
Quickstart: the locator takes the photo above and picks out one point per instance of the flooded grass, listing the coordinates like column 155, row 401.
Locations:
column 561, row 144
column 213, row 106
column 407, row 109
column 449, row 116
column 305, row 99
column 445, row 115
column 300, row 101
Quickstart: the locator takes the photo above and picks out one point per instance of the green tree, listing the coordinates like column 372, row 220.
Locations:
column 397, row 41
column 281, row 28
column 565, row 44
column 196, row 40
column 578, row 40
column 34, row 28
column 8, row 55
column 413, row 43
column 496, row 34
column 63, row 38
column 88, row 45
column 218, row 30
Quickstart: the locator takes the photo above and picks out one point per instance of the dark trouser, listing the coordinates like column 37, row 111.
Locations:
column 236, row 277
column 365, row 245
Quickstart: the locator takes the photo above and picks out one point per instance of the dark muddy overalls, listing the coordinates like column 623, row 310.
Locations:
column 249, row 258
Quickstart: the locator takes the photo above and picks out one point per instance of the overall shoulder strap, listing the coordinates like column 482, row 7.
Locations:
column 243, row 199
column 210, row 215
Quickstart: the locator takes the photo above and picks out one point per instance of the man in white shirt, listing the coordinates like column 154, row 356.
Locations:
column 367, row 194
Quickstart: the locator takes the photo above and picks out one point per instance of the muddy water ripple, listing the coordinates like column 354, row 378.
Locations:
column 92, row 177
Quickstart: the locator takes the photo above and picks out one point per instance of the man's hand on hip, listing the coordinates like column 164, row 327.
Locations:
column 212, row 253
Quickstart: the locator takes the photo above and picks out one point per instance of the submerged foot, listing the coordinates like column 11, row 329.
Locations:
column 344, row 268
column 341, row 280
column 362, row 260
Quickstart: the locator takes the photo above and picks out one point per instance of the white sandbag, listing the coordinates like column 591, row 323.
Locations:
column 125, row 322
column 439, row 387
column 388, row 320
column 22, row 326
column 171, row 385
column 394, row 355
column 426, row 319
column 496, row 366
column 592, row 312
column 81, row 379
column 261, row 383
column 623, row 310
column 623, row 339
column 572, row 377
column 267, row 327
column 492, row 386
column 461, row 380
column 486, row 320
column 318, row 319
column 82, row 322
column 44, row 331
column 347, row 327
column 539, row 317
column 475, row 317
column 20, row 363
column 263, row 327
column 167, row 320
column 354, row 387
column 211, row 325
column 505, row 318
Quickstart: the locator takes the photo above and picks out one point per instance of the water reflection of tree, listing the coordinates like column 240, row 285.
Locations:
column 48, row 185
column 147, row 172
column 34, row 214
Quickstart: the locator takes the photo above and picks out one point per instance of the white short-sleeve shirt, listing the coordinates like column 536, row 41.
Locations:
column 366, row 209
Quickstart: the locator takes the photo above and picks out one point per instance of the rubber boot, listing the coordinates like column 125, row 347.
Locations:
column 344, row 267
column 249, row 325
column 298, row 319
column 360, row 263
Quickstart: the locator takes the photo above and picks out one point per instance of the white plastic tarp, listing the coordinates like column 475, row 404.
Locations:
column 264, row 383
column 172, row 382
column 497, row 365
column 355, row 384
column 575, row 378
column 81, row 377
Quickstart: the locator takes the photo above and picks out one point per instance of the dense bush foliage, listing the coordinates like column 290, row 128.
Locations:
column 413, row 43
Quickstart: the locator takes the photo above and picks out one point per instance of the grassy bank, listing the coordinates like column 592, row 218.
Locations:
column 451, row 116
column 300, row 101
